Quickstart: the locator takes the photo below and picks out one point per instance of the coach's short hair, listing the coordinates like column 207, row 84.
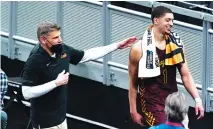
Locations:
column 45, row 27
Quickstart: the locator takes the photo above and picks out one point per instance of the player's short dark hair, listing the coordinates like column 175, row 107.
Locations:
column 159, row 11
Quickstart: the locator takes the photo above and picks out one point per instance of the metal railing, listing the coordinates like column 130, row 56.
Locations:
column 197, row 5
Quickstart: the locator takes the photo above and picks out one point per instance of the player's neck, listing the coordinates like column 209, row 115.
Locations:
column 159, row 37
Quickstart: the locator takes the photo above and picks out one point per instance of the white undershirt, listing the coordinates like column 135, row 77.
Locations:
column 90, row 54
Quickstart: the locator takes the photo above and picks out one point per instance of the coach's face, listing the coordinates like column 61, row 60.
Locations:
column 53, row 41
column 53, row 38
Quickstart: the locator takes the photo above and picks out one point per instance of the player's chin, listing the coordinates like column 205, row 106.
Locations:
column 167, row 32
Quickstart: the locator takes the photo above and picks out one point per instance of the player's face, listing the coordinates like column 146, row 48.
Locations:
column 164, row 23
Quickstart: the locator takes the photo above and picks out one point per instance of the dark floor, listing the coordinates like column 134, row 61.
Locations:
column 18, row 119
column 91, row 100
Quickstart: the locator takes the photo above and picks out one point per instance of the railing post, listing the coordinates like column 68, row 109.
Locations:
column 206, row 62
column 59, row 15
column 106, row 41
column 12, row 49
column 208, row 69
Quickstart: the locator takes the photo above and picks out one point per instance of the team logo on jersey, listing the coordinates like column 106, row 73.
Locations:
column 64, row 55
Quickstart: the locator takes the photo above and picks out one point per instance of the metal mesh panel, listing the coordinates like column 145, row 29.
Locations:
column 192, row 44
column 4, row 16
column 82, row 25
column 4, row 46
column 30, row 14
column 124, row 26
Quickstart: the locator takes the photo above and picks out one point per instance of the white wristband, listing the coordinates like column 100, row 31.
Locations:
column 198, row 100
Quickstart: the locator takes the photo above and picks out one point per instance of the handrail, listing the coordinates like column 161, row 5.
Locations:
column 98, row 60
column 129, row 11
column 188, row 25
column 90, row 121
column 208, row 17
column 210, row 31
column 143, row 3
column 117, row 65
column 95, row 3
column 197, row 5
column 5, row 34
column 209, row 89
column 26, row 40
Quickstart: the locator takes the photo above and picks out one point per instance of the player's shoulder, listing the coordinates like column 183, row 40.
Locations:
column 136, row 52
column 137, row 47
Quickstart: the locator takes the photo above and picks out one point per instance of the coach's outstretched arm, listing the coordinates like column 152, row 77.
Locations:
column 97, row 52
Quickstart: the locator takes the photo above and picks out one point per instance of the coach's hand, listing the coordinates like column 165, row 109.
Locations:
column 127, row 42
column 62, row 78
